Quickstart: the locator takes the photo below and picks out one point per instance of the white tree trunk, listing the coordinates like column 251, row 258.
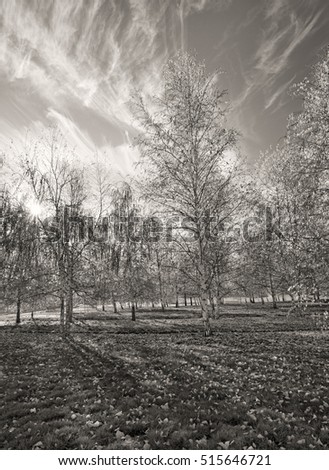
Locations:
column 205, row 308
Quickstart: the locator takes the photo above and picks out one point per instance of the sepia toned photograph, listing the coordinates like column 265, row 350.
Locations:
column 164, row 230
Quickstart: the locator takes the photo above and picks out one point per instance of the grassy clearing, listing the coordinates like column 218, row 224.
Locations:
column 261, row 381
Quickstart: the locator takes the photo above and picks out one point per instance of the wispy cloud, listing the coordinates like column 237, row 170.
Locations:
column 93, row 53
column 273, row 55
column 275, row 8
column 284, row 34
column 89, row 55
column 77, row 62
column 278, row 94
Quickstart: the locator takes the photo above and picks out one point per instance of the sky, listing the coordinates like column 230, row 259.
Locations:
column 76, row 63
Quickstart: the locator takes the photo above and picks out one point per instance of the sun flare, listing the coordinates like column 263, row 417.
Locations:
column 34, row 208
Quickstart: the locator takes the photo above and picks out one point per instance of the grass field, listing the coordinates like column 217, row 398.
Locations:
column 260, row 382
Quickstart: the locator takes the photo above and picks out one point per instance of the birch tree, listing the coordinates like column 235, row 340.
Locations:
column 297, row 173
column 50, row 177
column 184, row 147
column 25, row 271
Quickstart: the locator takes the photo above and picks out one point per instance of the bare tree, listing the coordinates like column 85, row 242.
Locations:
column 50, row 176
column 183, row 145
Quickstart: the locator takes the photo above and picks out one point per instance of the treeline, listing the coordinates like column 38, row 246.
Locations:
column 195, row 222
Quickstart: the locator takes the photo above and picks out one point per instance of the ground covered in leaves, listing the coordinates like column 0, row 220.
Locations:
column 260, row 382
